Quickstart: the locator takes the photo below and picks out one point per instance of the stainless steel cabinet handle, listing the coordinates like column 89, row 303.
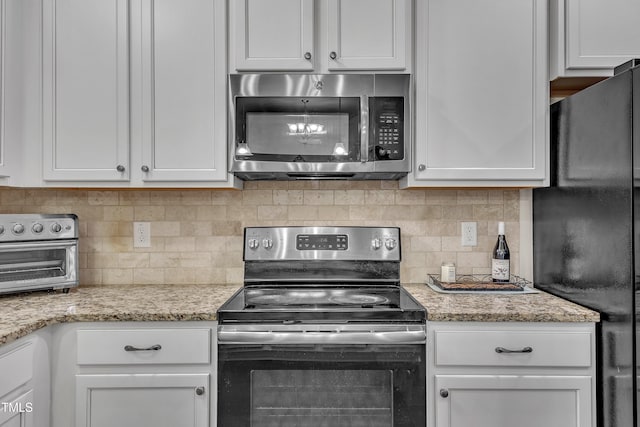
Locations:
column 444, row 392
column 421, row 167
column 145, row 168
column 506, row 350
column 307, row 55
column 155, row 347
column 120, row 168
column 333, row 55
column 199, row 391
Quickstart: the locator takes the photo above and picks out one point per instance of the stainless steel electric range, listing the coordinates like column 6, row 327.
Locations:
column 322, row 333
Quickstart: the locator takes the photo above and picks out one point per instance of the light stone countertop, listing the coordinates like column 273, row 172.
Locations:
column 25, row 313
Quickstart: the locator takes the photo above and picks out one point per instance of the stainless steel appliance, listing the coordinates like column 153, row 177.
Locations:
column 38, row 252
column 586, row 229
column 322, row 333
column 315, row 126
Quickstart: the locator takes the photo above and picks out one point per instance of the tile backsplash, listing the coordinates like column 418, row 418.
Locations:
column 196, row 235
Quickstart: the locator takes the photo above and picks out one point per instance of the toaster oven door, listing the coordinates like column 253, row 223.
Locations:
column 28, row 266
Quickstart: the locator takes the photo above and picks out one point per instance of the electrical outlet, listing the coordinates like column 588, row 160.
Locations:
column 141, row 234
column 469, row 234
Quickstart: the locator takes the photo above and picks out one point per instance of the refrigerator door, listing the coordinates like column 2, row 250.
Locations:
column 583, row 230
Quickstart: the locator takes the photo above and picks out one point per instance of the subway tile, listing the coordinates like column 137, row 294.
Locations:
column 318, row 197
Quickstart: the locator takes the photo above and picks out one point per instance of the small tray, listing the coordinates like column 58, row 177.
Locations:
column 479, row 283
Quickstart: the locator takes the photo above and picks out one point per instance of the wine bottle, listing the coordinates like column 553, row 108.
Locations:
column 500, row 268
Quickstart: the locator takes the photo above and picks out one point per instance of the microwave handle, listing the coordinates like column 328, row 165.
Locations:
column 364, row 128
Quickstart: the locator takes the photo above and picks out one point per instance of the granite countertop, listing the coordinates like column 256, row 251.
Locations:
column 26, row 313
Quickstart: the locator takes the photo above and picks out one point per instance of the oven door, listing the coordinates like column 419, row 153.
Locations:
column 28, row 266
column 319, row 375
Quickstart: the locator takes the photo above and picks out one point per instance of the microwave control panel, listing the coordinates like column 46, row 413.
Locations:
column 387, row 136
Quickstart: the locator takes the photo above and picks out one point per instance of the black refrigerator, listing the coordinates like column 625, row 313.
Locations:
column 586, row 227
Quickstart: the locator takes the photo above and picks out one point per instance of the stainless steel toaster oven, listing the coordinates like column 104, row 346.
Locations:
column 38, row 252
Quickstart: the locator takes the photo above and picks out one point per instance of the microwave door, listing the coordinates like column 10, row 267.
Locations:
column 311, row 130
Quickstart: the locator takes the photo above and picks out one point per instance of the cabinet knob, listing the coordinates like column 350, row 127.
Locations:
column 421, row 167
column 199, row 391
column 120, row 168
column 145, row 168
column 307, row 55
column 444, row 392
column 333, row 55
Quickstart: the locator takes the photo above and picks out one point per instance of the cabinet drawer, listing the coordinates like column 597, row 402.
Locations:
column 143, row 346
column 16, row 368
column 530, row 348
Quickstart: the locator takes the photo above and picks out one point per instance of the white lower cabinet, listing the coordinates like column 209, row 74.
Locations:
column 18, row 412
column 506, row 374
column 133, row 400
column 142, row 374
column 24, row 382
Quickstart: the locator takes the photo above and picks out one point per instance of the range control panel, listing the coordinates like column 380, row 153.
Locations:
column 322, row 243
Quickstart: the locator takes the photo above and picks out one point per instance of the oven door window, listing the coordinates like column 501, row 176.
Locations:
column 292, row 129
column 321, row 385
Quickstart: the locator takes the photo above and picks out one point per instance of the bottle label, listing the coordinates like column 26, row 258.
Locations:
column 500, row 269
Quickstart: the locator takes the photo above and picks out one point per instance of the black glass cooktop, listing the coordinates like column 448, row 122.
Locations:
column 308, row 303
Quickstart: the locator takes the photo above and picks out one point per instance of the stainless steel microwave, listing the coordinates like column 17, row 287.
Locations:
column 319, row 126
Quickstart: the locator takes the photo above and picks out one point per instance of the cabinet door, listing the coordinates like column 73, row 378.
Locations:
column 273, row 35
column 481, row 92
column 86, row 90
column 367, row 34
column 598, row 36
column 141, row 400
column 506, row 401
column 18, row 412
column 183, row 75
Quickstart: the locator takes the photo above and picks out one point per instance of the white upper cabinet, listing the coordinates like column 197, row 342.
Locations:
column 367, row 34
column 481, row 103
column 183, row 117
column 273, row 35
column 86, row 89
column 134, row 91
column 591, row 37
column 320, row 35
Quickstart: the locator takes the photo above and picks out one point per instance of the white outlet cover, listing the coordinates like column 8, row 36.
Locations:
column 141, row 234
column 469, row 232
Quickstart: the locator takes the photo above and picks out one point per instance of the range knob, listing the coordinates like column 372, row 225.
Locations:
column 18, row 229
column 267, row 243
column 37, row 228
column 1, row 229
column 253, row 244
column 376, row 243
column 56, row 228
column 390, row 244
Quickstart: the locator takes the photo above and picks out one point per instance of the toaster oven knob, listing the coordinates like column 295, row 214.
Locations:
column 37, row 228
column 18, row 229
column 254, row 244
column 376, row 243
column 390, row 244
column 267, row 243
column 56, row 228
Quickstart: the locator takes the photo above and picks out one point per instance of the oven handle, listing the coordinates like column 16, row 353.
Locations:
column 313, row 337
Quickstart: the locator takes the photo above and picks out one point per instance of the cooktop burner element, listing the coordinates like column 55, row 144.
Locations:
column 320, row 274
column 316, row 297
